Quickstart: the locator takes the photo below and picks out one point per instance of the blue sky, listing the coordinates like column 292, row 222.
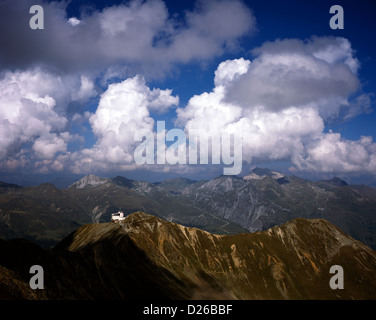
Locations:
column 73, row 94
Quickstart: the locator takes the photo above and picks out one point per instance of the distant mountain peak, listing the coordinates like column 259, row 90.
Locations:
column 5, row 185
column 261, row 173
column 181, row 179
column 123, row 181
column 89, row 180
column 175, row 184
column 338, row 181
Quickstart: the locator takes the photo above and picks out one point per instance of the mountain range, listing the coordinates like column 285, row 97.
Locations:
column 223, row 205
column 146, row 257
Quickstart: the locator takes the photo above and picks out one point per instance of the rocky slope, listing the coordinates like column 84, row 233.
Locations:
column 145, row 257
column 265, row 198
column 88, row 181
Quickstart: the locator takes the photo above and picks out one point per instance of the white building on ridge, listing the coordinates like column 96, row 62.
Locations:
column 116, row 217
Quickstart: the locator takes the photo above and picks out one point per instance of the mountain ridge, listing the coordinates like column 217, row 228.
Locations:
column 89, row 180
column 146, row 257
column 224, row 205
column 260, row 173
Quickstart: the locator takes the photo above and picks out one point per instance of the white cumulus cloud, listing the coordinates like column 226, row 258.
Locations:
column 33, row 112
column 27, row 110
column 280, row 101
column 333, row 153
column 124, row 108
column 319, row 73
